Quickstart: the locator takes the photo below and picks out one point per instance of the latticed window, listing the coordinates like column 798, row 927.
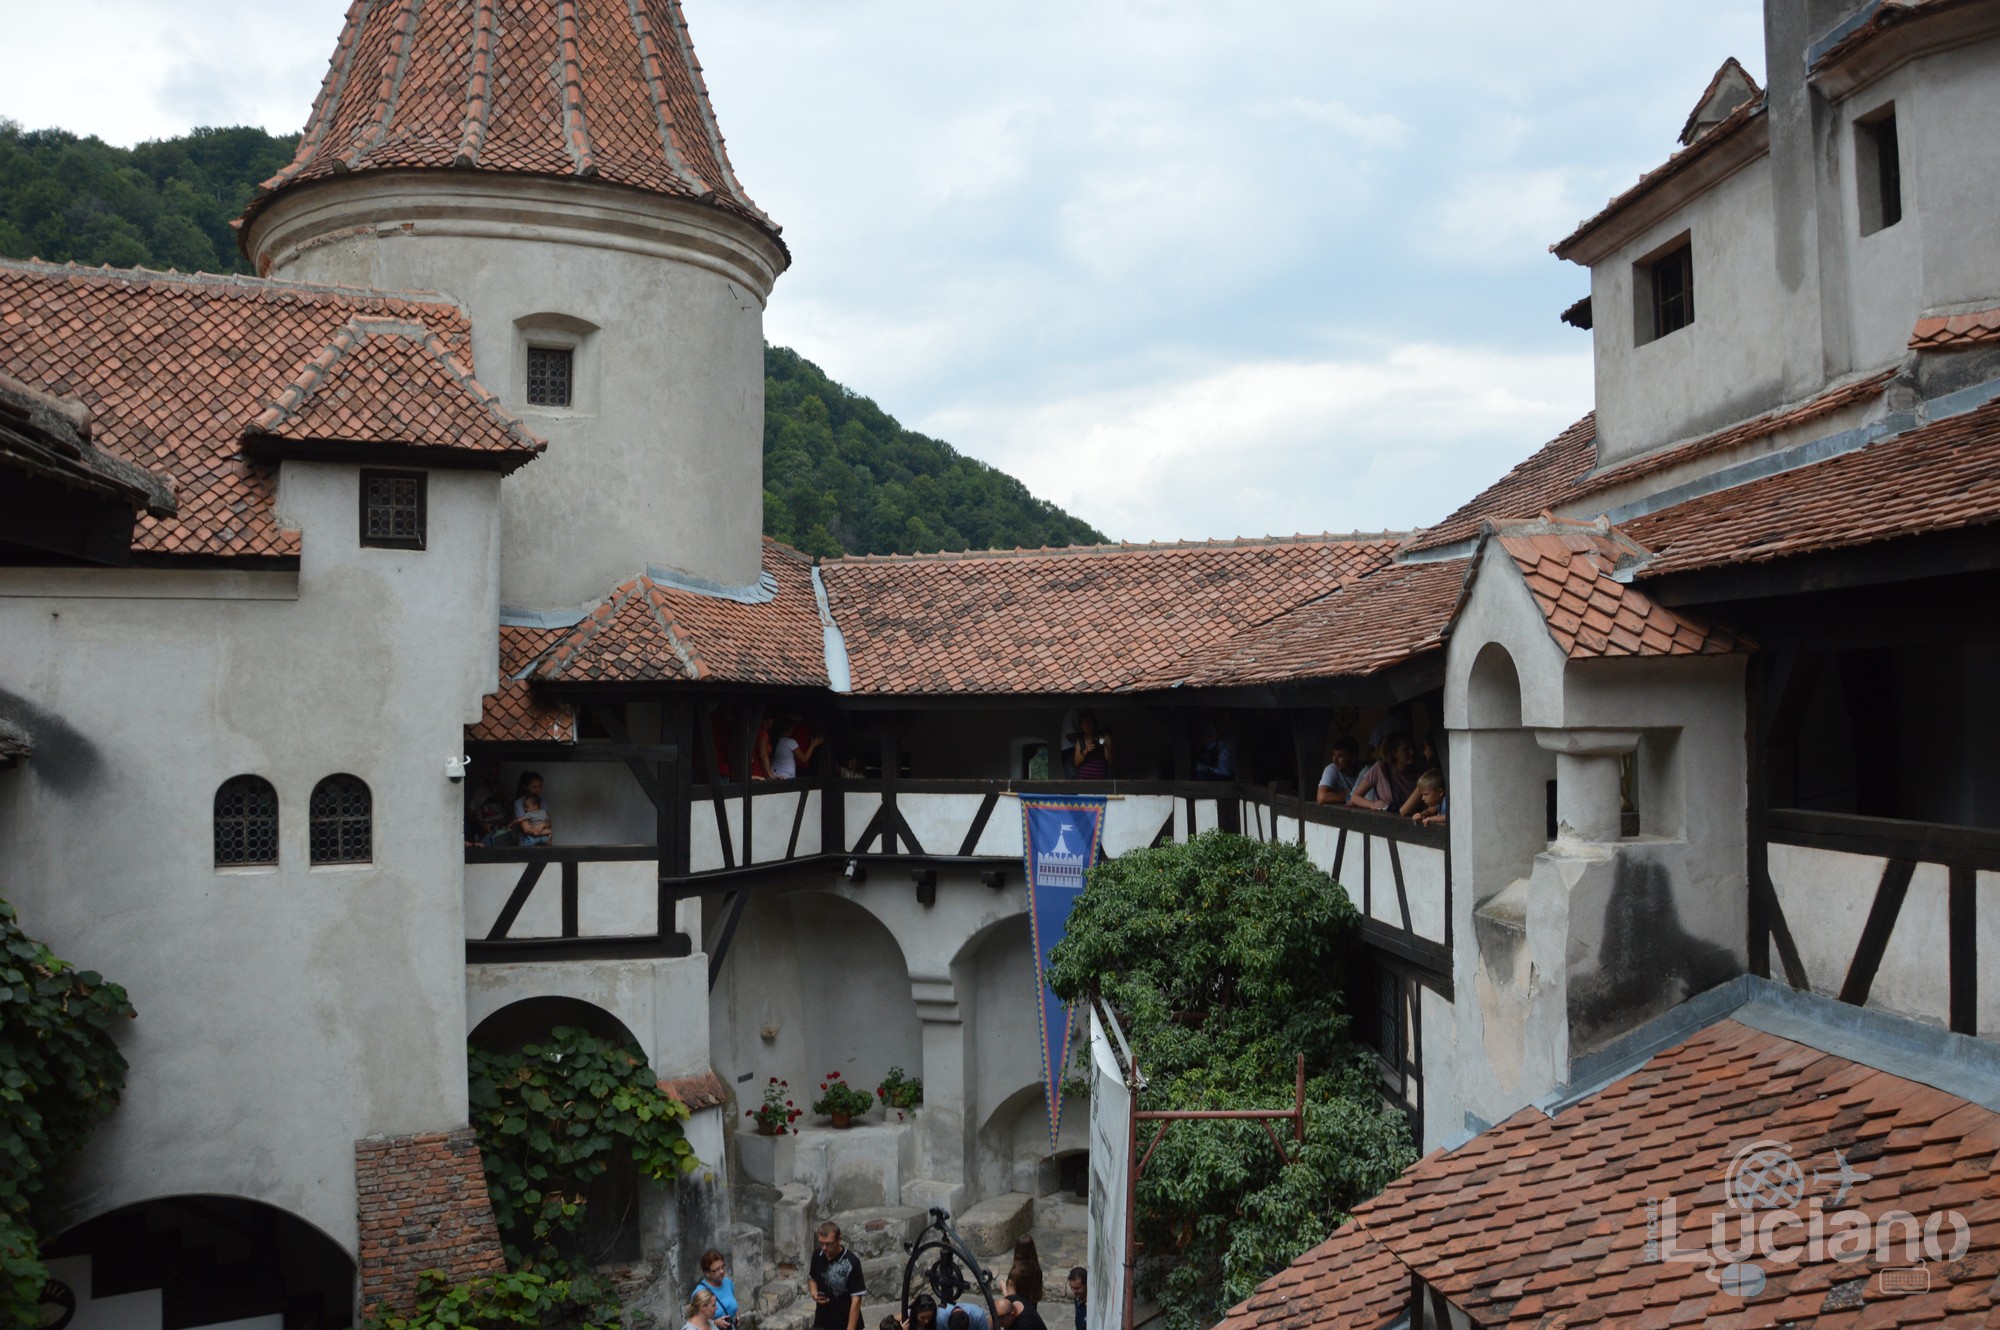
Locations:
column 392, row 509
column 1673, row 291
column 246, row 822
column 549, row 375
column 342, row 821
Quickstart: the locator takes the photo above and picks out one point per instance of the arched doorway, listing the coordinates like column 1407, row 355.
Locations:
column 200, row 1261
column 613, row 1228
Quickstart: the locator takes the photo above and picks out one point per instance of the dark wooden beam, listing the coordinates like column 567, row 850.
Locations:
column 979, row 820
column 732, row 915
column 1868, row 953
column 644, row 946
column 511, row 911
column 1913, row 558
column 1962, row 931
column 1887, row 838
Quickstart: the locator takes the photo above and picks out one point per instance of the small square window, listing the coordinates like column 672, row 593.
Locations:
column 392, row 509
column 1663, row 287
column 1878, row 171
column 549, row 375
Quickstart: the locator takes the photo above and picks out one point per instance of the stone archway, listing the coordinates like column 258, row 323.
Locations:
column 198, row 1260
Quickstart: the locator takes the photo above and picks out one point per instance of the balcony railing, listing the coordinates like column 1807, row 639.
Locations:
column 622, row 900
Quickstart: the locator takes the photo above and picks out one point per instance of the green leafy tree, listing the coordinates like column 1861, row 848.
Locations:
column 60, row 1076
column 1226, row 958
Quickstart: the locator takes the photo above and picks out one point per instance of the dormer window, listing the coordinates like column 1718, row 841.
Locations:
column 550, row 375
column 1664, row 286
column 1878, row 170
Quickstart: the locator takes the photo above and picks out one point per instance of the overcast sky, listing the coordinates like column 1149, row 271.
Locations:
column 1188, row 269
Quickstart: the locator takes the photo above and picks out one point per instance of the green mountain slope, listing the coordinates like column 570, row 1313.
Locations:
column 841, row 476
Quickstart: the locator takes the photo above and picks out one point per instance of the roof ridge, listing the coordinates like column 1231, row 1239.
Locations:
column 300, row 391
column 680, row 641
column 478, row 88
column 705, row 108
column 1677, row 161
column 244, row 281
column 389, row 91
column 576, row 128
column 326, row 103
column 1131, row 547
column 653, row 66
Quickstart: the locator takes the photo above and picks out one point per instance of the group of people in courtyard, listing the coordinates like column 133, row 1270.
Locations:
column 836, row 1285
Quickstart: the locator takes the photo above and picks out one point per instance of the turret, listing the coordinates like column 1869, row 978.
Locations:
column 555, row 166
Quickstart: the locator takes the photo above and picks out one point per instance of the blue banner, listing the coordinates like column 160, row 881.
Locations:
column 1060, row 834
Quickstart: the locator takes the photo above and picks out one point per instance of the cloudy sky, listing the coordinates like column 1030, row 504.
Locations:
column 1189, row 269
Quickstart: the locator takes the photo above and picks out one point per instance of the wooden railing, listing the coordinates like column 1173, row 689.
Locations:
column 1918, row 888
column 739, row 836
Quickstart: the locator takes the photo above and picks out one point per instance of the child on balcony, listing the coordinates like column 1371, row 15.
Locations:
column 532, row 826
column 1426, row 804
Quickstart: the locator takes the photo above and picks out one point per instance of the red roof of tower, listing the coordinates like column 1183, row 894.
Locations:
column 599, row 89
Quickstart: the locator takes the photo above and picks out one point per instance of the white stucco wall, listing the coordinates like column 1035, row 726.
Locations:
column 1723, row 366
column 1564, row 945
column 283, row 1012
column 660, row 458
column 1951, row 158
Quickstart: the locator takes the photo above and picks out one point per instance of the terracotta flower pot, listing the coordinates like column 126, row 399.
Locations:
column 842, row 1120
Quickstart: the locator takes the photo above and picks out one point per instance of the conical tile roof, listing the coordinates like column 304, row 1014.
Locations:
column 607, row 90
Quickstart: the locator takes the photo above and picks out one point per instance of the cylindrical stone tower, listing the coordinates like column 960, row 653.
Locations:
column 555, row 166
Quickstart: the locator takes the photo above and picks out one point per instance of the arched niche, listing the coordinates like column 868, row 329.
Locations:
column 1493, row 690
column 854, row 988
column 207, row 1259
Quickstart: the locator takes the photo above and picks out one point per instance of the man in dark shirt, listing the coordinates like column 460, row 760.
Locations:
column 835, row 1282
column 1077, row 1293
column 1018, row 1315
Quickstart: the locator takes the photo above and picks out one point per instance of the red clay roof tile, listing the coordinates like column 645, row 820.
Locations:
column 607, row 90
column 1483, row 1227
column 1090, row 619
column 1570, row 570
column 514, row 713
column 1936, row 478
column 175, row 369
column 392, row 381
column 655, row 632
column 1950, row 330
column 1348, row 1282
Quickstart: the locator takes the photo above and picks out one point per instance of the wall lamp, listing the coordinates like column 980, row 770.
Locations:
column 856, row 872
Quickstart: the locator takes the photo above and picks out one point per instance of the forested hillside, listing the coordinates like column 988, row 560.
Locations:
column 166, row 204
column 840, row 474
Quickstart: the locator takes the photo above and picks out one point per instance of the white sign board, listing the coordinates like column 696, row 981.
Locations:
column 1110, row 1164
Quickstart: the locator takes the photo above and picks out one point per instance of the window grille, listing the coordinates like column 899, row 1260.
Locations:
column 341, row 821
column 549, row 375
column 1673, row 291
column 246, row 822
column 392, row 509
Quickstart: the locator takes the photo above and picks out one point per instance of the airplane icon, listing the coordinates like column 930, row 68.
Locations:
column 1847, row 1176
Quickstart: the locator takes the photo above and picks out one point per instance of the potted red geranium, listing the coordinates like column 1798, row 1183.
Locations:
column 841, row 1101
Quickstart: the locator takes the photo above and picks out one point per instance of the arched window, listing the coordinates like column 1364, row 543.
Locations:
column 342, row 821
column 246, row 822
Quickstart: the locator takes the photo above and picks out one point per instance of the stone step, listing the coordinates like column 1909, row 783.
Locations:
column 995, row 1225
column 880, row 1230
column 1060, row 1211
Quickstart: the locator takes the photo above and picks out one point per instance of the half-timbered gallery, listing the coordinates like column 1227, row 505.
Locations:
column 459, row 502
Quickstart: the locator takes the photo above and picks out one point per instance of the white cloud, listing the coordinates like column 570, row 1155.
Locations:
column 1393, row 439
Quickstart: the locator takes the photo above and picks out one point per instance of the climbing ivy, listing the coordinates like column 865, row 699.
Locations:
column 60, row 1075
column 512, row 1298
column 550, row 1119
